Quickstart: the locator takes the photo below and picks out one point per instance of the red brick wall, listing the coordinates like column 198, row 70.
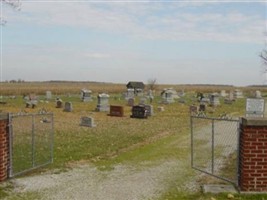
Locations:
column 4, row 149
column 253, row 158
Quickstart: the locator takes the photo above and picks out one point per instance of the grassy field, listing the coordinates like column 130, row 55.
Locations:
column 117, row 140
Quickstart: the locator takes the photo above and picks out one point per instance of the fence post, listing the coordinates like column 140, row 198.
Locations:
column 4, row 146
column 253, row 155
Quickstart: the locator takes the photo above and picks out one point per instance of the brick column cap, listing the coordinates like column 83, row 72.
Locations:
column 253, row 121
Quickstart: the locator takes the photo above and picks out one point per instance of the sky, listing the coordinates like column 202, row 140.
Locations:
column 174, row 42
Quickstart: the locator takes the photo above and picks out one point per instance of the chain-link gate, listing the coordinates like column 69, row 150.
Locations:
column 214, row 147
column 31, row 141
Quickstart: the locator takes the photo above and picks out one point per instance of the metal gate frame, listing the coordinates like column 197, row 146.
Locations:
column 235, row 182
column 33, row 147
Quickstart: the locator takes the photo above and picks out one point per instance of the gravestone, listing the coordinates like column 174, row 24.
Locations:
column 59, row 103
column 258, row 94
column 130, row 102
column 48, row 95
column 87, row 121
column 86, row 95
column 139, row 112
column 202, row 108
column 231, row 95
column 129, row 93
column 160, row 109
column 255, row 107
column 214, row 99
column 150, row 96
column 223, row 93
column 230, row 99
column 68, row 107
column 193, row 110
column 117, row 111
column 238, row 94
column 168, row 96
column 31, row 101
column 102, row 102
column 149, row 109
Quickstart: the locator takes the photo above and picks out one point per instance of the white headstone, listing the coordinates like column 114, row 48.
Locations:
column 48, row 95
column 103, row 102
column 255, row 107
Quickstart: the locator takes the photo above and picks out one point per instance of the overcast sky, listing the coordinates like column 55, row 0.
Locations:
column 189, row 42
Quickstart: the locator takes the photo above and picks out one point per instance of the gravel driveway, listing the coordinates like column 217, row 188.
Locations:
column 87, row 182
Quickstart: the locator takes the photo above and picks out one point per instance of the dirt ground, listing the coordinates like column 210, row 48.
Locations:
column 122, row 183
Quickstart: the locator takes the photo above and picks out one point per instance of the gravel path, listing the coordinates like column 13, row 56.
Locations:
column 86, row 182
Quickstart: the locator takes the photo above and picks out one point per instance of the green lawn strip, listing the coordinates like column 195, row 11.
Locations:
column 169, row 147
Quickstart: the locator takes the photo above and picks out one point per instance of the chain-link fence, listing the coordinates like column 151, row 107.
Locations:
column 214, row 144
column 31, row 141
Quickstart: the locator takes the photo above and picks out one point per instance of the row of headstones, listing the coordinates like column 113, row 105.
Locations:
column 138, row 111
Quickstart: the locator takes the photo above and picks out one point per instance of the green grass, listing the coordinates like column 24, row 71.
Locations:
column 144, row 143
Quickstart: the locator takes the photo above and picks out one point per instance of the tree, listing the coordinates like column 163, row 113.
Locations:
column 152, row 84
column 15, row 4
column 263, row 56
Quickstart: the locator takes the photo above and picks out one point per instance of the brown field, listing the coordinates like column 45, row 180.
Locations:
column 64, row 87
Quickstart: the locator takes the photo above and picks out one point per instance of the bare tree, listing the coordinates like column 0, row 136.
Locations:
column 263, row 56
column 152, row 84
column 15, row 4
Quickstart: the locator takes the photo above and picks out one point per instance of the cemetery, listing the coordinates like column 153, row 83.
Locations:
column 113, row 129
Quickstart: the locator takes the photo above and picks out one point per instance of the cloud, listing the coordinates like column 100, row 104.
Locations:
column 155, row 21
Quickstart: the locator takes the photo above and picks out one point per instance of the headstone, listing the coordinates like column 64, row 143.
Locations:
column 193, row 110
column 214, row 99
column 117, row 111
column 238, row 94
column 86, row 95
column 31, row 101
column 150, row 110
column 129, row 93
column 231, row 95
column 205, row 100
column 130, row 102
column 168, row 95
column 68, row 107
column 59, row 103
column 160, row 109
column 258, row 94
column 223, row 93
column 48, row 95
column 139, row 112
column 139, row 92
column 102, row 102
column 150, row 96
column 87, row 121
column 202, row 108
column 255, row 107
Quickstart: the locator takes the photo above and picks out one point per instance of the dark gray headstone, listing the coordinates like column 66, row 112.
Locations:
column 139, row 112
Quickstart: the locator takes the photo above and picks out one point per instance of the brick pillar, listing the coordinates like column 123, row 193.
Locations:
column 4, row 147
column 253, row 155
